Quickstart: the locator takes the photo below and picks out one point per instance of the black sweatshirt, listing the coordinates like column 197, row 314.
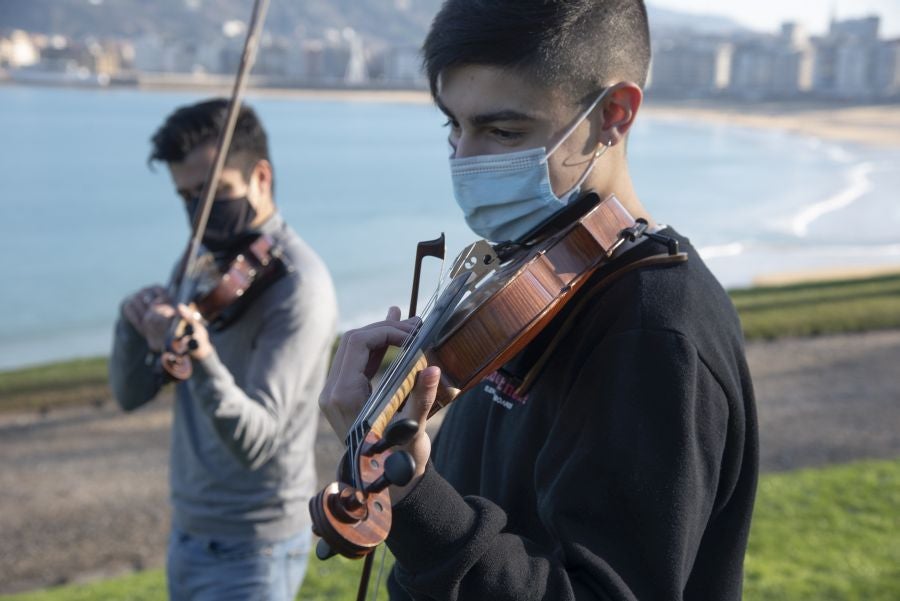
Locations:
column 627, row 471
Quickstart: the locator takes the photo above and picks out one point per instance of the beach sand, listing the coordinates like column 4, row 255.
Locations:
column 825, row 274
column 873, row 125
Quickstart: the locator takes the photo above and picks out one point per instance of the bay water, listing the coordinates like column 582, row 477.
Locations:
column 84, row 221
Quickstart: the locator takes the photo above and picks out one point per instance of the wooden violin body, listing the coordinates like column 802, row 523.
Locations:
column 222, row 295
column 493, row 310
column 251, row 269
column 507, row 311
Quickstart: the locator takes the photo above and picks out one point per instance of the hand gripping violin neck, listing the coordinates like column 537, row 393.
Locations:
column 489, row 311
column 221, row 293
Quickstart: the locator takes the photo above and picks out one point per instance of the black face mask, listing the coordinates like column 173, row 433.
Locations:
column 229, row 221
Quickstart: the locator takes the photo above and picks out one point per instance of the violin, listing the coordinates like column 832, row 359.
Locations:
column 221, row 294
column 496, row 302
column 257, row 263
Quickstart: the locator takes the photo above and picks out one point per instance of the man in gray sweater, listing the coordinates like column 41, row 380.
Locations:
column 242, row 463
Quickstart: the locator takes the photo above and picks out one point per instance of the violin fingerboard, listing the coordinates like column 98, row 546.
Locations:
column 399, row 397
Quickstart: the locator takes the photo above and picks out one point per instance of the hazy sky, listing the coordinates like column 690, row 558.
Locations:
column 768, row 14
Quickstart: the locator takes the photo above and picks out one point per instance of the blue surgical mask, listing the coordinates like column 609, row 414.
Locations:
column 504, row 196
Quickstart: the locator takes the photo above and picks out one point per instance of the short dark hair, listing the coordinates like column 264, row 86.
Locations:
column 193, row 126
column 576, row 44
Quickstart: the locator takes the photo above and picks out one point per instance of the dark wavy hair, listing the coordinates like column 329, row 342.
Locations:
column 190, row 127
column 574, row 44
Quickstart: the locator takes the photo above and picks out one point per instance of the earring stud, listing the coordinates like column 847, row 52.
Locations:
column 601, row 150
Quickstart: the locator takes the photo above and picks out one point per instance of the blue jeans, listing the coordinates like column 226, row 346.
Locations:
column 214, row 569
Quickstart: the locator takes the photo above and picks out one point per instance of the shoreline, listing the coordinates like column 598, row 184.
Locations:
column 770, row 116
column 83, row 375
column 823, row 275
column 874, row 125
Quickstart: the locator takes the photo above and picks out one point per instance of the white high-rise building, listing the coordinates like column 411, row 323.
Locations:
column 691, row 67
column 847, row 59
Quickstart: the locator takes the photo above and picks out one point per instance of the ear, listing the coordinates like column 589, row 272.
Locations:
column 261, row 178
column 619, row 109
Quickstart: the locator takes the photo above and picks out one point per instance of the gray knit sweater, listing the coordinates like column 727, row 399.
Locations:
column 242, row 463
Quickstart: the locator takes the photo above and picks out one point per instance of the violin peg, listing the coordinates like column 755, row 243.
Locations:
column 324, row 550
column 399, row 469
column 398, row 433
column 188, row 330
column 193, row 344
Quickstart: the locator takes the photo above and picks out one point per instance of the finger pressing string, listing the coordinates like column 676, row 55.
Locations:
column 337, row 361
column 422, row 396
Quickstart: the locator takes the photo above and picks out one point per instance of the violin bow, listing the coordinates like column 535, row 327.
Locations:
column 427, row 248
column 172, row 360
column 248, row 57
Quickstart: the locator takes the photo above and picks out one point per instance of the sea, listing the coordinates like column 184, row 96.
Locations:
column 84, row 220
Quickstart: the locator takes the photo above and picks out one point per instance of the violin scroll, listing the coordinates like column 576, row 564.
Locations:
column 353, row 521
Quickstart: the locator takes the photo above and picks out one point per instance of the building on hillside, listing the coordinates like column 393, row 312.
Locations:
column 19, row 50
column 855, row 69
column 773, row 66
column 157, row 54
column 865, row 28
column 887, row 71
column 691, row 67
column 403, row 66
column 847, row 59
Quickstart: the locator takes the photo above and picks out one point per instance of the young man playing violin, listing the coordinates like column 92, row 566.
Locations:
column 627, row 469
column 242, row 463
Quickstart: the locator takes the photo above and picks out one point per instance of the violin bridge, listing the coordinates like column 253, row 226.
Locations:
column 479, row 259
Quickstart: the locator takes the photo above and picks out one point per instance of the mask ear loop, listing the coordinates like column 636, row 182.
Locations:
column 601, row 150
column 575, row 125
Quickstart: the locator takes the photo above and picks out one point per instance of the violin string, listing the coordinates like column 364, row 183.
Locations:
column 357, row 432
column 387, row 379
column 391, row 372
column 358, row 440
column 375, row 590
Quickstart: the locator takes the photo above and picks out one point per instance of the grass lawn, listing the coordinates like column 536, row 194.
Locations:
column 68, row 383
column 819, row 308
column 826, row 534
column 336, row 579
column 766, row 312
